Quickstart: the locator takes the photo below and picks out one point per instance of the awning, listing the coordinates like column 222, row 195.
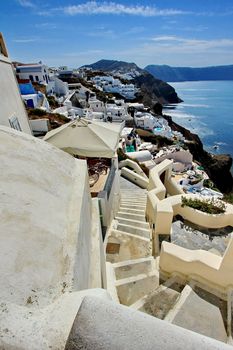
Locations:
column 86, row 138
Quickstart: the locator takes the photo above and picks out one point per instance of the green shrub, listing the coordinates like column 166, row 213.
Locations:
column 209, row 206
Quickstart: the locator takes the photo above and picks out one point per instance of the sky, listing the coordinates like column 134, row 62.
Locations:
column 193, row 33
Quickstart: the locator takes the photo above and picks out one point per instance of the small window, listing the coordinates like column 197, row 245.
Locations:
column 14, row 123
column 37, row 78
column 31, row 77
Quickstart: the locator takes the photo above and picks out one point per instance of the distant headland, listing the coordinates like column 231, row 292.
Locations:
column 178, row 74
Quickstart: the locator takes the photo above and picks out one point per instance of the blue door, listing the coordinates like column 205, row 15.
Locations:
column 30, row 103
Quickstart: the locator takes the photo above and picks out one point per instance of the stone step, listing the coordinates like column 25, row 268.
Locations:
column 131, row 216
column 134, row 190
column 132, row 210
column 135, row 230
column 134, row 267
column 131, row 199
column 133, row 205
column 131, row 289
column 123, row 246
column 200, row 313
column 133, row 194
column 160, row 301
column 132, row 222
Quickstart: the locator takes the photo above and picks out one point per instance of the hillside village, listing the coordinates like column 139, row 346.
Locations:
column 113, row 235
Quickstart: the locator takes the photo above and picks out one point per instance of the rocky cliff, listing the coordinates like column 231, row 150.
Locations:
column 154, row 90
column 218, row 167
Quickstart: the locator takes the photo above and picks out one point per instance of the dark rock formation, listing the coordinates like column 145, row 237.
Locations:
column 218, row 167
column 154, row 90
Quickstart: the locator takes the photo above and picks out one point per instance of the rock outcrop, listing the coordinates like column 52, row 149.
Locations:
column 154, row 90
column 218, row 167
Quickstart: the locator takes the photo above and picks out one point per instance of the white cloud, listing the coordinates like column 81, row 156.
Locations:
column 179, row 51
column 46, row 25
column 167, row 38
column 94, row 8
column 25, row 41
column 26, row 3
column 175, row 43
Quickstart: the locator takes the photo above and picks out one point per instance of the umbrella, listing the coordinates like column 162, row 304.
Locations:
column 86, row 138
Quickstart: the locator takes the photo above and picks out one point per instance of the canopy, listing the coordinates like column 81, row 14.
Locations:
column 86, row 138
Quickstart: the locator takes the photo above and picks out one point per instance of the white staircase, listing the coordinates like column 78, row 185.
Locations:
column 133, row 273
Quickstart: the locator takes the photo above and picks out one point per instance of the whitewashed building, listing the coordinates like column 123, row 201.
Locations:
column 12, row 110
column 112, row 85
column 35, row 72
column 96, row 105
column 57, row 87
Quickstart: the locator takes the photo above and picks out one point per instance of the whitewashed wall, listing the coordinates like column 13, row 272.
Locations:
column 10, row 99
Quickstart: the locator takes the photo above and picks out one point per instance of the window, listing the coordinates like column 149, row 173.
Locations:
column 14, row 123
column 31, row 77
column 37, row 78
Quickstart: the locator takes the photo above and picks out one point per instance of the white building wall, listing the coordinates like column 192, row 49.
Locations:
column 110, row 197
column 61, row 87
column 96, row 106
column 40, row 125
column 11, row 102
column 41, row 75
column 57, row 86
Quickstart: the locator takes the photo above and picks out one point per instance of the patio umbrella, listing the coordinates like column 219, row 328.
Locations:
column 86, row 138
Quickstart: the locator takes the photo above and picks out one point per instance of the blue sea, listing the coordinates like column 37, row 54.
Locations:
column 207, row 110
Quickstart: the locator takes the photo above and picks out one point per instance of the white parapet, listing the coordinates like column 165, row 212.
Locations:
column 103, row 324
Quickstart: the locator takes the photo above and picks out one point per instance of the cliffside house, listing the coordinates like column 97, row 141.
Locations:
column 35, row 72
